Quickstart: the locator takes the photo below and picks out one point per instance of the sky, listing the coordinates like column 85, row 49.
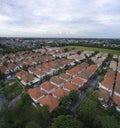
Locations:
column 60, row 18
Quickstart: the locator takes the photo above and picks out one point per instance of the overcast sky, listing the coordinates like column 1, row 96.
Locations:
column 60, row 18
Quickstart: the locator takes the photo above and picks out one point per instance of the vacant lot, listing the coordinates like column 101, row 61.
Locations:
column 110, row 51
column 11, row 90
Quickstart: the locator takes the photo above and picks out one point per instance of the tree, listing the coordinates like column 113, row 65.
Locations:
column 44, row 112
column 32, row 124
column 74, row 96
column 66, row 50
column 66, row 121
column 88, row 114
column 25, row 99
column 61, row 110
column 109, row 122
column 25, row 67
column 65, row 100
column 79, row 52
column 2, row 75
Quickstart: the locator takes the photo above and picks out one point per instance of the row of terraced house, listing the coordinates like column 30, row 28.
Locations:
column 109, row 88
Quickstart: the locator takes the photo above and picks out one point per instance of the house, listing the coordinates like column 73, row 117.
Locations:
column 21, row 74
column 73, row 72
column 83, row 66
column 47, row 87
column 13, row 67
column 31, row 70
column 103, row 95
column 108, row 81
column 36, row 94
column 78, row 82
column 69, row 86
column 39, row 74
column 65, row 77
column 59, row 92
column 76, row 57
column 4, row 69
column 84, row 75
column 88, row 53
column 92, row 68
column 29, row 80
column 118, row 68
column 113, row 65
column 50, row 101
column 57, row 81
column 47, row 71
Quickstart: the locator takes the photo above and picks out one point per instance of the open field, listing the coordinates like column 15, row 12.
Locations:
column 11, row 90
column 110, row 51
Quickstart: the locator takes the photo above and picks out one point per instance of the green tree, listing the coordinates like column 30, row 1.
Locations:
column 25, row 67
column 66, row 50
column 44, row 112
column 88, row 114
column 32, row 124
column 74, row 96
column 66, row 121
column 65, row 100
column 25, row 99
column 79, row 52
column 109, row 122
column 2, row 75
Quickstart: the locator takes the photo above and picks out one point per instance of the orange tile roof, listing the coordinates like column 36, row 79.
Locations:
column 59, row 92
column 47, row 86
column 22, row 73
column 72, row 72
column 65, row 76
column 92, row 68
column 102, row 93
column 107, row 84
column 35, row 92
column 70, row 86
column 116, row 99
column 108, row 78
column 11, row 66
column 77, row 81
column 50, row 101
column 3, row 69
column 84, row 74
column 28, row 78
column 57, row 80
column 39, row 73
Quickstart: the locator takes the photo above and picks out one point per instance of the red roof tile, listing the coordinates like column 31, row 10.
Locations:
column 35, row 93
column 116, row 99
column 47, row 86
column 77, row 81
column 107, row 84
column 50, row 101
column 70, row 86
column 59, row 92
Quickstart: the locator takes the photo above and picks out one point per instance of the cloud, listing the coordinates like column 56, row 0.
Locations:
column 60, row 18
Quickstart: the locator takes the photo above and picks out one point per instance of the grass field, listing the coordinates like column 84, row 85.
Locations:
column 11, row 90
column 110, row 51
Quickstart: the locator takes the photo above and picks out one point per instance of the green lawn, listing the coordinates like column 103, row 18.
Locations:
column 110, row 51
column 11, row 90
